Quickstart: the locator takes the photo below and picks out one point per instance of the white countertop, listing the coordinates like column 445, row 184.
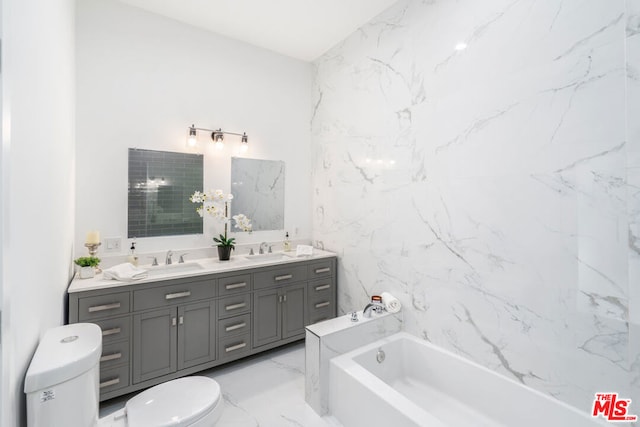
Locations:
column 209, row 266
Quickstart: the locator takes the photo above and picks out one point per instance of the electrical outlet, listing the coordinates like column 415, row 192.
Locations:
column 112, row 244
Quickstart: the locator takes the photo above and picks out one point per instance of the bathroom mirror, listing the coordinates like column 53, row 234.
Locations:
column 160, row 184
column 258, row 192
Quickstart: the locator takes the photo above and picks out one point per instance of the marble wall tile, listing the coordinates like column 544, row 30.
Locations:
column 492, row 189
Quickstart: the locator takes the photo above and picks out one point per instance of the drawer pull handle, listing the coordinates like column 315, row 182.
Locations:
column 235, row 285
column 322, row 287
column 104, row 307
column 323, row 270
column 110, row 382
column 235, row 306
column 108, row 357
column 235, row 347
column 323, row 304
column 108, row 332
column 236, row 326
column 178, row 295
column 284, row 277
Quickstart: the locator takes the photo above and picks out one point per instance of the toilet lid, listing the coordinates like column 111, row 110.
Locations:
column 176, row 403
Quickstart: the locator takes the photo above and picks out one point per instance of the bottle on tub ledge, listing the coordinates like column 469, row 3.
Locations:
column 287, row 243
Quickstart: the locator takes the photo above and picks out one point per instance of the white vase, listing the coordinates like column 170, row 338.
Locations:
column 86, row 272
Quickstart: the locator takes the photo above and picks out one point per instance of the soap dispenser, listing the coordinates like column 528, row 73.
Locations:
column 132, row 258
column 287, row 243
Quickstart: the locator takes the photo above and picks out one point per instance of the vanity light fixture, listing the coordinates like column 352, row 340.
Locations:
column 244, row 142
column 217, row 136
column 192, row 141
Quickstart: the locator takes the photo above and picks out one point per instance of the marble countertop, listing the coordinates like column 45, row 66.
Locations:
column 195, row 268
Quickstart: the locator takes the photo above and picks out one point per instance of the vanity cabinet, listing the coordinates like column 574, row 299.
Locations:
column 278, row 314
column 156, row 331
column 174, row 338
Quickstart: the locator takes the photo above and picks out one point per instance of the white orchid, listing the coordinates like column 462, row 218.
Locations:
column 242, row 222
column 197, row 197
column 216, row 204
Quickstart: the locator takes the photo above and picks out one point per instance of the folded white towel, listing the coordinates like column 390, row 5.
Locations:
column 304, row 250
column 125, row 272
column 391, row 303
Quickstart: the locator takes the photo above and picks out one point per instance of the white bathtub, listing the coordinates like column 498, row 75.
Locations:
column 419, row 384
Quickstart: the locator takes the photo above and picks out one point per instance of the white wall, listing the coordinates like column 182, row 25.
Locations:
column 508, row 223
column 142, row 79
column 38, row 186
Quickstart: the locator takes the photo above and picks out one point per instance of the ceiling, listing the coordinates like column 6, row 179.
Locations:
column 302, row 29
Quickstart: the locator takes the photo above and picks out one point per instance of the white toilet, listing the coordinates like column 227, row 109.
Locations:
column 62, row 388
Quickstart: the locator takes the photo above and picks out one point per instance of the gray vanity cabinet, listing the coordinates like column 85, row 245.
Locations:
column 157, row 331
column 196, row 334
column 155, row 344
column 279, row 304
column 168, row 340
column 278, row 314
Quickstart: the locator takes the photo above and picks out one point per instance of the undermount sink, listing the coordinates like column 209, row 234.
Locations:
column 278, row 256
column 190, row 267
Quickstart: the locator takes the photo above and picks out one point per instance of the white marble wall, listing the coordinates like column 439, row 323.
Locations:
column 495, row 189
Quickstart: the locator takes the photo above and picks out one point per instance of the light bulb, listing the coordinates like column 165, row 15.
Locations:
column 244, row 147
column 461, row 46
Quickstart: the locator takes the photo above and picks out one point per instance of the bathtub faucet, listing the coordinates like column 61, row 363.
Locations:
column 372, row 306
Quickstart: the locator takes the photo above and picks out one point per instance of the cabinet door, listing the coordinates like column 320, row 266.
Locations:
column 196, row 334
column 293, row 310
column 267, row 326
column 154, row 344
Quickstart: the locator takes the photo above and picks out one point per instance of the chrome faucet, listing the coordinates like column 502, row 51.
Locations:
column 263, row 246
column 167, row 260
column 372, row 306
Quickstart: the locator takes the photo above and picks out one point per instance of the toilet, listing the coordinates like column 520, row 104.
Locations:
column 62, row 388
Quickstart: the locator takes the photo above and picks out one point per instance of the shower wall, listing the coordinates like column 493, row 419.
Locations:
column 481, row 161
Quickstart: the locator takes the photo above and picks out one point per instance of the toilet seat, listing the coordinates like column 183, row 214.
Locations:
column 177, row 403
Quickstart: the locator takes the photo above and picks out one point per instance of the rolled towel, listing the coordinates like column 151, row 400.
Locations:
column 125, row 272
column 391, row 303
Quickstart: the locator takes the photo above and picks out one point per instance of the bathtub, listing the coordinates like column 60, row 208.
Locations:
column 404, row 381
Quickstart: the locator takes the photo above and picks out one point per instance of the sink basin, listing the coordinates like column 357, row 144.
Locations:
column 190, row 267
column 277, row 256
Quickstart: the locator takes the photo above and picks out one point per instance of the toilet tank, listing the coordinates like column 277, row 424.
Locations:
column 62, row 382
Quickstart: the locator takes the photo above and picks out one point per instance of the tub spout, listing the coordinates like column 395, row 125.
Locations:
column 372, row 306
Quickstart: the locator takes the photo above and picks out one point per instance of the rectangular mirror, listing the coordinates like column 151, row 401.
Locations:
column 160, row 184
column 258, row 192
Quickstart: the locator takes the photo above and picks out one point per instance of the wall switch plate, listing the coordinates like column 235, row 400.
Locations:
column 112, row 244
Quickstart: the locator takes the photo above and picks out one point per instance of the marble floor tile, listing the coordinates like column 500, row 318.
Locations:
column 265, row 390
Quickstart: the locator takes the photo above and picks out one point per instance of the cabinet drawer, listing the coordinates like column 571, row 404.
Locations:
column 114, row 354
column 174, row 294
column 114, row 329
column 321, row 290
column 103, row 306
column 234, row 347
column 234, row 284
column 235, row 304
column 234, row 325
column 318, row 315
column 321, row 269
column 280, row 276
column 114, row 379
